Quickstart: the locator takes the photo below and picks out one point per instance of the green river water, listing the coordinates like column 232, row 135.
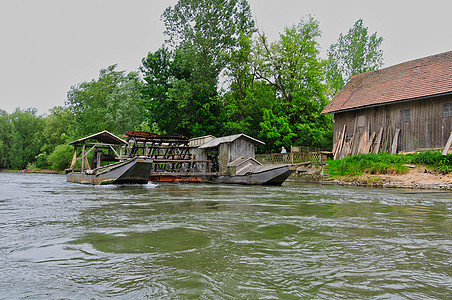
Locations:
column 62, row 240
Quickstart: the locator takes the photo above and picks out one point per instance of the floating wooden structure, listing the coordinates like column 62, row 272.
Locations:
column 109, row 165
column 209, row 159
column 144, row 156
column 402, row 108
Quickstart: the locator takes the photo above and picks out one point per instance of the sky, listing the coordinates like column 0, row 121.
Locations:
column 47, row 46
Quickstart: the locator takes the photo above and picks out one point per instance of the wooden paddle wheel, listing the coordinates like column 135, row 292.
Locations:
column 170, row 153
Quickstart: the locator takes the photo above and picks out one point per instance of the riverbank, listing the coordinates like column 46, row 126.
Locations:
column 417, row 177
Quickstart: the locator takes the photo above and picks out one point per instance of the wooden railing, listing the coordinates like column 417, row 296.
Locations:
column 317, row 158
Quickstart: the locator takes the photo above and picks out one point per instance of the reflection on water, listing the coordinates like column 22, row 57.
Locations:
column 64, row 240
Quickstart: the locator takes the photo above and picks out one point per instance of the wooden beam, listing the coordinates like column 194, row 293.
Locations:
column 74, row 159
column 449, row 142
column 395, row 141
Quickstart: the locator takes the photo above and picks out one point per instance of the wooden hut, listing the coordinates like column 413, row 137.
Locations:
column 230, row 148
column 402, row 108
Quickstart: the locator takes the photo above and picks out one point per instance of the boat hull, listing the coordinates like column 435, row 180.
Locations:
column 133, row 171
column 266, row 175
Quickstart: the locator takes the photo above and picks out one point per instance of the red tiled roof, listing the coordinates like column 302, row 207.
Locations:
column 410, row 80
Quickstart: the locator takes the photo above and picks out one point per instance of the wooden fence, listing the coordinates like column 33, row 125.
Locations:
column 316, row 158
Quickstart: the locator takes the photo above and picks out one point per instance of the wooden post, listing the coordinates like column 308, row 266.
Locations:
column 395, row 141
column 83, row 157
column 449, row 142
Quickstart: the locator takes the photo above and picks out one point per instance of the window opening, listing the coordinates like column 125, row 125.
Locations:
column 405, row 115
column 447, row 110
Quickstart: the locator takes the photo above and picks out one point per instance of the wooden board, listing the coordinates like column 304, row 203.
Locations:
column 370, row 143
column 395, row 141
column 378, row 141
column 339, row 146
column 449, row 142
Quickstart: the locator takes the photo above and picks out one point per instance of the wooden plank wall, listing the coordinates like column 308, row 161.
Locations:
column 231, row 151
column 427, row 128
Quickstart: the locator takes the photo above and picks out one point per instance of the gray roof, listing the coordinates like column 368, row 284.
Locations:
column 229, row 139
column 103, row 137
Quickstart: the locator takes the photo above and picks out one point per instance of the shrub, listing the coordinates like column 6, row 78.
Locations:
column 61, row 157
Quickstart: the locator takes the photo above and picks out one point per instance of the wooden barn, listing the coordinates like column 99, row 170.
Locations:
column 406, row 107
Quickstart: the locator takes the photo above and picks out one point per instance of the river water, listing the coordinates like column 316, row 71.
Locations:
column 62, row 240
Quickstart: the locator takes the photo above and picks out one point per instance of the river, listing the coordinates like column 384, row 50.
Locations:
column 62, row 240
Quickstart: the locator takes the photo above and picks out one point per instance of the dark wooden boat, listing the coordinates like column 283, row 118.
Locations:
column 134, row 170
column 265, row 175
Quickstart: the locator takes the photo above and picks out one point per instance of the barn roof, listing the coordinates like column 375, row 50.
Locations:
column 417, row 79
column 229, row 139
column 103, row 137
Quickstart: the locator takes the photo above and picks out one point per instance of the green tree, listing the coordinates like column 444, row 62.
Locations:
column 163, row 75
column 202, row 34
column 28, row 127
column 6, row 140
column 352, row 54
column 57, row 129
column 293, row 67
column 113, row 103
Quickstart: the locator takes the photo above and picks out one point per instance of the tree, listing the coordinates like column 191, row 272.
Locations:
column 293, row 67
column 207, row 30
column 113, row 103
column 27, row 129
column 57, row 129
column 354, row 53
column 201, row 35
column 6, row 140
column 163, row 75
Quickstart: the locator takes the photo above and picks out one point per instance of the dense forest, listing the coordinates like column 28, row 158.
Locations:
column 215, row 74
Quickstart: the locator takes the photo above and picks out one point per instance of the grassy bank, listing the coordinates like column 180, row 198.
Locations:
column 353, row 167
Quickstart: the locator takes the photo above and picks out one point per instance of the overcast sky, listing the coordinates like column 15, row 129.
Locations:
column 49, row 45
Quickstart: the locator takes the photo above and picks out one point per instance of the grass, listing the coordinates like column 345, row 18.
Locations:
column 384, row 163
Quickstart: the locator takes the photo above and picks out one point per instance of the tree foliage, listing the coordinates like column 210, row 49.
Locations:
column 113, row 103
column 20, row 137
column 293, row 67
column 202, row 35
column 354, row 53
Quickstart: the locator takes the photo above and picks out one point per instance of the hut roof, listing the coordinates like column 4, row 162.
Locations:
column 229, row 139
column 103, row 137
column 417, row 79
